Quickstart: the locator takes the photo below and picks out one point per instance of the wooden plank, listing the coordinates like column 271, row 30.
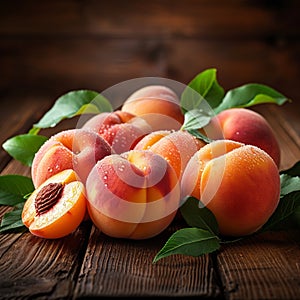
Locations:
column 192, row 18
column 39, row 65
column 50, row 68
column 34, row 267
column 237, row 62
column 261, row 267
column 117, row 267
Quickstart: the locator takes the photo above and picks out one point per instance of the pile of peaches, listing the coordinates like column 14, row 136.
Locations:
column 130, row 170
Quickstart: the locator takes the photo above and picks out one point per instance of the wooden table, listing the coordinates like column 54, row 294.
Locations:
column 89, row 264
column 50, row 48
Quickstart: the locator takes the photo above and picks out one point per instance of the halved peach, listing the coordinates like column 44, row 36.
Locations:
column 57, row 207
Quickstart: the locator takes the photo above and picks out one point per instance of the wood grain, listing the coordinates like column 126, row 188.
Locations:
column 114, row 267
column 262, row 267
column 158, row 18
column 48, row 269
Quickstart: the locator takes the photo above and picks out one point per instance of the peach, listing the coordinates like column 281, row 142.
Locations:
column 239, row 183
column 133, row 195
column 122, row 130
column 158, row 105
column 177, row 147
column 57, row 207
column 248, row 127
column 76, row 149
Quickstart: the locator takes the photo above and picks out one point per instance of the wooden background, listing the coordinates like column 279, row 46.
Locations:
column 50, row 47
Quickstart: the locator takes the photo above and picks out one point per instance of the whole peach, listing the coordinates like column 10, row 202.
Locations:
column 122, row 130
column 248, row 127
column 177, row 147
column 134, row 195
column 158, row 105
column 76, row 149
column 239, row 183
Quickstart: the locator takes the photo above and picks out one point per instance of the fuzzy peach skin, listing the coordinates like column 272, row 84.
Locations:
column 248, row 127
column 239, row 183
column 158, row 105
column 122, row 130
column 177, row 147
column 134, row 195
column 64, row 216
column 76, row 149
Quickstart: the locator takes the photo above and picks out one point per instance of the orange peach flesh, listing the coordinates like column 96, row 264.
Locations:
column 238, row 183
column 65, row 216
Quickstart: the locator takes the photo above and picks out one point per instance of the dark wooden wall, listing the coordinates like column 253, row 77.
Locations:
column 50, row 47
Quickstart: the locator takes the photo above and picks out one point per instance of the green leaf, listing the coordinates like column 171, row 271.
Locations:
column 13, row 188
column 288, row 205
column 12, row 220
column 196, row 215
column 189, row 241
column 72, row 104
column 196, row 119
column 250, row 94
column 289, row 184
column 23, row 147
column 203, row 86
column 287, row 213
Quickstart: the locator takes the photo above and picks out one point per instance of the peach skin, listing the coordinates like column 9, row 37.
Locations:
column 57, row 207
column 177, row 147
column 158, row 105
column 239, row 183
column 76, row 149
column 134, row 195
column 122, row 130
column 248, row 127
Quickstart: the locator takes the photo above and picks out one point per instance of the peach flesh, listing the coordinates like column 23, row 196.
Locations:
column 64, row 216
column 239, row 183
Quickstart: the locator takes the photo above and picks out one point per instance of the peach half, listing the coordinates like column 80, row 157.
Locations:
column 122, row 130
column 177, row 147
column 57, row 207
column 76, row 149
column 158, row 105
column 134, row 195
column 248, row 127
column 239, row 183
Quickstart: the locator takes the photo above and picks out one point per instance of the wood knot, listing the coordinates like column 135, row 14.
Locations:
column 47, row 197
